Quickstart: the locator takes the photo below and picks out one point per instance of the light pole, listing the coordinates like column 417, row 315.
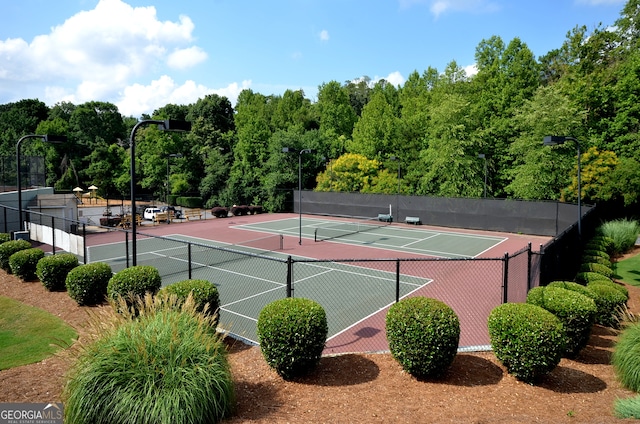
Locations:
column 483, row 156
column 169, row 156
column 55, row 139
column 552, row 140
column 300, row 153
column 166, row 125
column 398, row 190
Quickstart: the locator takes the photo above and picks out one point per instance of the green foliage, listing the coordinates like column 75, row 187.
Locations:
column 349, row 173
column 8, row 248
column 172, row 199
column 587, row 277
column 164, row 366
column 619, row 287
column 597, row 268
column 599, row 253
column 24, row 262
column 527, row 339
column 4, row 237
column 622, row 232
column 576, row 311
column 87, row 284
column 609, row 302
column 204, row 294
column 132, row 282
column 189, row 202
column 626, row 357
column 52, row 270
column 423, row 335
column 292, row 333
column 597, row 260
column 627, row 407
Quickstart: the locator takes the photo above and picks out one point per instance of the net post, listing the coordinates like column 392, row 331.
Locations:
column 281, row 242
column 397, row 280
column 315, row 234
column 189, row 259
column 505, row 277
column 289, row 276
column 126, row 246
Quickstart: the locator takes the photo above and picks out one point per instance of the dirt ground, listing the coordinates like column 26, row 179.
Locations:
column 368, row 388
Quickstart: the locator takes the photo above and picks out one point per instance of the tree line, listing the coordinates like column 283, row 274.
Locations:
column 442, row 133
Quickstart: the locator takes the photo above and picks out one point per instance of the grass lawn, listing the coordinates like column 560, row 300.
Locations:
column 29, row 334
column 628, row 270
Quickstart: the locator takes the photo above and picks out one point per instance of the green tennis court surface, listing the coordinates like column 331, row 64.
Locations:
column 349, row 293
column 446, row 244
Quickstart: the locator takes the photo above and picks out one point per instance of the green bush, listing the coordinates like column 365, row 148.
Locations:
column 134, row 282
column 626, row 357
column 622, row 289
column 292, row 333
column 588, row 277
column 569, row 285
column 5, row 237
column 609, row 302
column 8, row 248
column 52, row 270
column 87, row 284
column 576, row 311
column 189, row 202
column 527, row 339
column 602, row 244
column 423, row 335
column 623, row 234
column 24, row 262
column 597, row 268
column 627, row 407
column 204, row 293
column 598, row 253
column 172, row 199
column 597, row 260
column 165, row 366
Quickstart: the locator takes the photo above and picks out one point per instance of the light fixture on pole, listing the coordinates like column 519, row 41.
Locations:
column 169, row 156
column 54, row 139
column 398, row 190
column 165, row 125
column 300, row 153
column 552, row 140
column 483, row 156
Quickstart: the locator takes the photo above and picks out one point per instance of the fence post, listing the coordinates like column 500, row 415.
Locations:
column 397, row 280
column 529, row 256
column 289, row 277
column 505, row 278
column 53, row 234
column 4, row 214
column 126, row 246
column 84, row 242
column 189, row 259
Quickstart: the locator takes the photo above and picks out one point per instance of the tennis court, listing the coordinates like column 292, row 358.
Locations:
column 246, row 283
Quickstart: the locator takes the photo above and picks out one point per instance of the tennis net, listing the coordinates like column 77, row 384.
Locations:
column 342, row 229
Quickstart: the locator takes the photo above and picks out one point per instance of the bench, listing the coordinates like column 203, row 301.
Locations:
column 385, row 217
column 160, row 216
column 191, row 214
column 125, row 222
column 413, row 220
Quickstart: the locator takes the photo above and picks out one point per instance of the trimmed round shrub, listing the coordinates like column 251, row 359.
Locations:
column 597, row 260
column 570, row 285
column 8, row 248
column 597, row 268
column 5, row 237
column 599, row 253
column 203, row 292
column 527, row 339
column 52, row 270
column 626, row 357
column 601, row 242
column 87, row 284
column 609, row 302
column 423, row 335
column 576, row 311
column 134, row 282
column 165, row 366
column 587, row 277
column 622, row 289
column 24, row 262
column 292, row 333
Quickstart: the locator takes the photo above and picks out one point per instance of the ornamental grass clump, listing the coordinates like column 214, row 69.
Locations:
column 627, row 407
column 623, row 234
column 24, row 262
column 576, row 311
column 292, row 333
column 163, row 365
column 527, row 339
column 423, row 336
column 204, row 293
column 8, row 248
column 87, row 284
column 52, row 270
column 626, row 357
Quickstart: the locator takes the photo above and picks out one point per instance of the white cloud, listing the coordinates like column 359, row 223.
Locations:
column 438, row 7
column 471, row 70
column 324, row 35
column 395, row 78
column 186, row 58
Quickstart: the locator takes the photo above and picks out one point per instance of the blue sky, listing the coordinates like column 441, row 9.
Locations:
column 143, row 54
